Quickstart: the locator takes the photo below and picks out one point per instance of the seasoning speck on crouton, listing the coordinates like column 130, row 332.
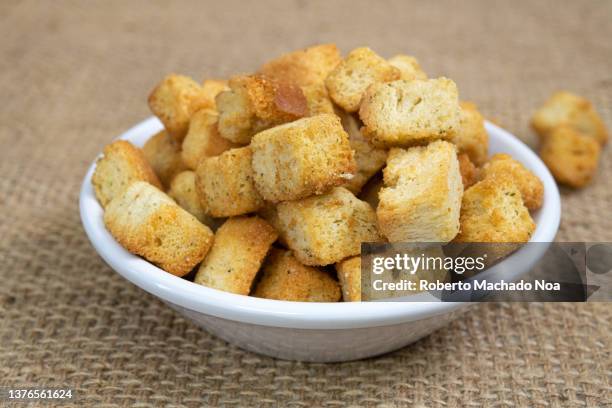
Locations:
column 240, row 246
column 121, row 164
column 285, row 278
column 148, row 223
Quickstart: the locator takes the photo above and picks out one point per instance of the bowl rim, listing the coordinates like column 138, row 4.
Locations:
column 276, row 313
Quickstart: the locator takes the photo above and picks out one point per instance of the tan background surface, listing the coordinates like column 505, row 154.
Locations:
column 75, row 75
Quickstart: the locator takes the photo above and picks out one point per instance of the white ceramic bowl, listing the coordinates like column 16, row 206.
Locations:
column 321, row 332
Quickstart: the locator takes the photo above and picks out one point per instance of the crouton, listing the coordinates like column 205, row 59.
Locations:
column 183, row 191
column 203, row 139
column 285, row 278
column 147, row 222
column 369, row 192
column 349, row 275
column 174, row 100
column 213, row 87
column 163, row 153
column 361, row 68
column 492, row 211
column 422, row 195
column 469, row 173
column 317, row 99
column 503, row 165
column 121, row 164
column 269, row 213
column 471, row 137
column 571, row 157
column 325, row 229
column 304, row 67
column 566, row 109
column 225, row 185
column 240, row 246
column 369, row 160
column 404, row 113
column 409, row 67
column 301, row 158
column 255, row 103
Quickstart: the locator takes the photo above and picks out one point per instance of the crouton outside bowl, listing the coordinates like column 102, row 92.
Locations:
column 321, row 332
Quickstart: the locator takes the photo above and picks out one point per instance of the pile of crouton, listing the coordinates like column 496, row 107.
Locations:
column 267, row 184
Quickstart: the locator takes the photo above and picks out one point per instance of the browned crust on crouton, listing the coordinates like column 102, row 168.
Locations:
column 504, row 166
column 571, row 157
column 240, row 247
column 471, row 137
column 349, row 275
column 285, row 278
column 469, row 172
column 163, row 153
column 121, row 164
column 148, row 223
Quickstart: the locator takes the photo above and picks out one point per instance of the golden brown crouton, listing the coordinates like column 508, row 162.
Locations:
column 369, row 192
column 285, row 278
column 147, row 222
column 225, row 184
column 469, row 173
column 369, row 159
column 213, row 87
column 203, row 139
column 269, row 213
column 349, row 275
column 301, row 158
column 361, row 68
column 409, row 67
column 183, row 191
column 304, row 67
column 240, row 246
column 121, row 165
column 404, row 113
column 163, row 153
column 471, row 137
column 503, row 165
column 255, row 103
column 325, row 229
column 571, row 157
column 422, row 195
column 492, row 211
column 566, row 109
column 317, row 99
column 174, row 100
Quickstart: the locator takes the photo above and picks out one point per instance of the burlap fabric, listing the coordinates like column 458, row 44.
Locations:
column 75, row 75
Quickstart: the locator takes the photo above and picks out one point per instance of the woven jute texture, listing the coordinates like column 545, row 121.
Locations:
column 73, row 75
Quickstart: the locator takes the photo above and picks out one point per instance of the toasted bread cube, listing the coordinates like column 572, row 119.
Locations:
column 304, row 67
column 566, row 109
column 255, row 103
column 492, row 211
column 240, row 246
column 269, row 212
column 225, row 184
column 409, row 67
column 503, row 165
column 469, row 173
column 213, row 87
column 369, row 192
column 203, row 139
column 571, row 156
column 121, row 164
column 361, row 68
column 325, row 229
column 404, row 113
column 301, row 158
column 163, row 153
column 422, row 195
column 174, row 100
column 183, row 191
column 472, row 138
column 317, row 99
column 368, row 158
column 349, row 275
column 147, row 222
column 285, row 278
